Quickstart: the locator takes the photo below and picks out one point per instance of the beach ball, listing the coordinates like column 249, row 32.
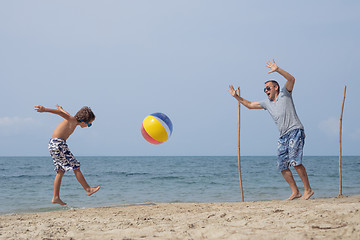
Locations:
column 156, row 128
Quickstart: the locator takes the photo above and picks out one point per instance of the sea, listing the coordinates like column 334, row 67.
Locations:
column 27, row 182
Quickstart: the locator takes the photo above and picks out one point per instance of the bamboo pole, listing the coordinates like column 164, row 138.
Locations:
column 340, row 147
column 239, row 166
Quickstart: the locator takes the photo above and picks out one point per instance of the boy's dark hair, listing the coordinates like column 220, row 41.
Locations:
column 275, row 84
column 85, row 114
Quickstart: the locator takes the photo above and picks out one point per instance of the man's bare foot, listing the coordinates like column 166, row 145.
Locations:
column 92, row 190
column 58, row 201
column 307, row 195
column 294, row 196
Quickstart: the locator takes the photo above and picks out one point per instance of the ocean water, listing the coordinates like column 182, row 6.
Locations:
column 27, row 182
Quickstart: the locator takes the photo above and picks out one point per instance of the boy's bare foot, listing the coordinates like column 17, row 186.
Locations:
column 307, row 195
column 58, row 201
column 294, row 196
column 92, row 190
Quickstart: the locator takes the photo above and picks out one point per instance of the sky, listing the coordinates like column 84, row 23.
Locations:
column 128, row 59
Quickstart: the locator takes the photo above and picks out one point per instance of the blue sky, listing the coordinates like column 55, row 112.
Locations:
column 128, row 59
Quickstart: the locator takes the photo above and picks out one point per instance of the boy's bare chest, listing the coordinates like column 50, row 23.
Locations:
column 64, row 130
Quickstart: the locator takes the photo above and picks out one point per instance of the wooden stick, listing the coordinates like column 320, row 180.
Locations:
column 340, row 150
column 239, row 166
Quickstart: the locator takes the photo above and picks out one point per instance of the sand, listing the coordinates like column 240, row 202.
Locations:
column 331, row 218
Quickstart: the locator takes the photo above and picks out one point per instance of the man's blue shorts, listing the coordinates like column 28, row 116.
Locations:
column 290, row 149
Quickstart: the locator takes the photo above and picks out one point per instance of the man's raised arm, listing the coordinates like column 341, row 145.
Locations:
column 289, row 85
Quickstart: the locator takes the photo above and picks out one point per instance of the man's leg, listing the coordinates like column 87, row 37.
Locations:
column 308, row 192
column 57, row 183
column 80, row 177
column 288, row 176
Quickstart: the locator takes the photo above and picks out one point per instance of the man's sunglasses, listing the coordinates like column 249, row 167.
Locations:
column 88, row 124
column 267, row 89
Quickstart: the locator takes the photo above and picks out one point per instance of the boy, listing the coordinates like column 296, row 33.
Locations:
column 59, row 151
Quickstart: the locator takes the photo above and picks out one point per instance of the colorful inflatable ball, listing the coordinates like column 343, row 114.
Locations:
column 156, row 128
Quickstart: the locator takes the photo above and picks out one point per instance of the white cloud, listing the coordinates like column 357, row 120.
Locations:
column 331, row 126
column 14, row 126
column 13, row 121
column 355, row 134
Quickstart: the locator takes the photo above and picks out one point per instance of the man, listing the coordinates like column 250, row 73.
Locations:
column 292, row 137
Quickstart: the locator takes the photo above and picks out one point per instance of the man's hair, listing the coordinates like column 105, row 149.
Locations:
column 275, row 84
column 85, row 114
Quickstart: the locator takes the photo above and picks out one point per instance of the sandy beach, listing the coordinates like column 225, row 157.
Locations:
column 331, row 218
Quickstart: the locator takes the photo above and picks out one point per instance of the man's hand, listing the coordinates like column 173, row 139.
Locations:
column 232, row 91
column 39, row 108
column 289, row 85
column 272, row 65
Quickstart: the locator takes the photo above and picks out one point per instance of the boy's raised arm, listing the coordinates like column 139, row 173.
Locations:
column 59, row 111
column 62, row 110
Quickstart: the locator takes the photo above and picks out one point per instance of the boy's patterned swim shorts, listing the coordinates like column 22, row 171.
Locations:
column 290, row 149
column 61, row 155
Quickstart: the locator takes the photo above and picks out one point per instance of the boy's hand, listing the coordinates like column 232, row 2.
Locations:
column 272, row 65
column 63, row 111
column 59, row 107
column 39, row 108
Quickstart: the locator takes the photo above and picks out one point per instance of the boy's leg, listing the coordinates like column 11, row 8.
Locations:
column 80, row 177
column 308, row 192
column 287, row 174
column 57, row 183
